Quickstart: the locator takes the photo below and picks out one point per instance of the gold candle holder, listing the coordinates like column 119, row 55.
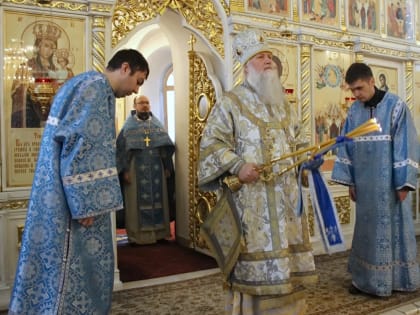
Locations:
column 42, row 92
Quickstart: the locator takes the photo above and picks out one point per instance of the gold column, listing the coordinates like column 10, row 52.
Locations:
column 98, row 43
column 200, row 86
column 342, row 18
column 192, row 183
column 409, row 84
column 295, row 13
column 305, row 61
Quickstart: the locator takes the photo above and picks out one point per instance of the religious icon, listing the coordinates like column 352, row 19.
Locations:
column 48, row 59
column 400, row 19
column 364, row 15
column 382, row 82
column 279, row 7
column 31, row 102
column 320, row 11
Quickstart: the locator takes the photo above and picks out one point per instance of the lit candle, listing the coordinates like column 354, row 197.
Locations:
column 43, row 80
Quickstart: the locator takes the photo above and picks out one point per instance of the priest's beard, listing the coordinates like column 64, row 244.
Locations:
column 268, row 86
column 143, row 115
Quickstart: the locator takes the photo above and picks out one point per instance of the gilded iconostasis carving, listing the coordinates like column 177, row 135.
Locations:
column 338, row 21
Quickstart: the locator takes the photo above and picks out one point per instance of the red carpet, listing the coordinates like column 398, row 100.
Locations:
column 141, row 262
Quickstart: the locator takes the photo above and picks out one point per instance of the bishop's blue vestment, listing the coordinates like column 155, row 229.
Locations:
column 65, row 268
column 383, row 254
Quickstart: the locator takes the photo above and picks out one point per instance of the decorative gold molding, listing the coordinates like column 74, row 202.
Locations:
column 374, row 49
column 14, row 204
column 343, row 207
column 280, row 34
column 200, row 14
column 100, row 7
column 330, row 43
column 237, row 6
column 199, row 202
column 340, row 42
column 66, row 5
column 225, row 7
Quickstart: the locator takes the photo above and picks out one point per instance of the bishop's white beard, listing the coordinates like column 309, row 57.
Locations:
column 268, row 86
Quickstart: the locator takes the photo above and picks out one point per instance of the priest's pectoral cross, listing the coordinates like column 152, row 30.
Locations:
column 147, row 140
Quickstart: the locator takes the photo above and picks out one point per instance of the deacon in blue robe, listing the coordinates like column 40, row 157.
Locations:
column 379, row 168
column 66, row 263
column 144, row 162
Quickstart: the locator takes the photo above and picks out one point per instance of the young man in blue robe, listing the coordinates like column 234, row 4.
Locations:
column 380, row 169
column 144, row 162
column 66, row 263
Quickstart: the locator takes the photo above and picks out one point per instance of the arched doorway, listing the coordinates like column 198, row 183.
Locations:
column 165, row 43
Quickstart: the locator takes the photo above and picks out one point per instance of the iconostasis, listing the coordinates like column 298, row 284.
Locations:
column 338, row 33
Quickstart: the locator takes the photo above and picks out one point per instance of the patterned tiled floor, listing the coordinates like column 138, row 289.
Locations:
column 201, row 293
column 204, row 295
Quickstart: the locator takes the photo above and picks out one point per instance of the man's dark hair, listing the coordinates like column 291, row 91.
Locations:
column 134, row 58
column 358, row 71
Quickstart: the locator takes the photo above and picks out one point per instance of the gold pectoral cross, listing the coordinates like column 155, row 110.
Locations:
column 147, row 140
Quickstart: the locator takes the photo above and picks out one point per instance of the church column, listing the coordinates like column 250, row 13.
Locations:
column 305, row 79
column 408, row 82
column 98, row 43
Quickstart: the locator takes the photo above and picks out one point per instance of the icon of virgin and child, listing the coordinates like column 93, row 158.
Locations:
column 49, row 66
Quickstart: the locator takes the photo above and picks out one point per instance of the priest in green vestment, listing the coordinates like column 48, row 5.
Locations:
column 145, row 166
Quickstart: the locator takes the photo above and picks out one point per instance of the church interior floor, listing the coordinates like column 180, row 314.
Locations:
column 201, row 293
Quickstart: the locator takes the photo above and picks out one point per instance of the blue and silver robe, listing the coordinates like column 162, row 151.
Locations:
column 145, row 150
column 65, row 268
column 383, row 254
column 276, row 255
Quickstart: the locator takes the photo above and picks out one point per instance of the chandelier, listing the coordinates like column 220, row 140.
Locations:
column 15, row 63
column 41, row 90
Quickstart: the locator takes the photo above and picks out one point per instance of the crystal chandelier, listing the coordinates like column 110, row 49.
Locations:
column 15, row 63
column 40, row 90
